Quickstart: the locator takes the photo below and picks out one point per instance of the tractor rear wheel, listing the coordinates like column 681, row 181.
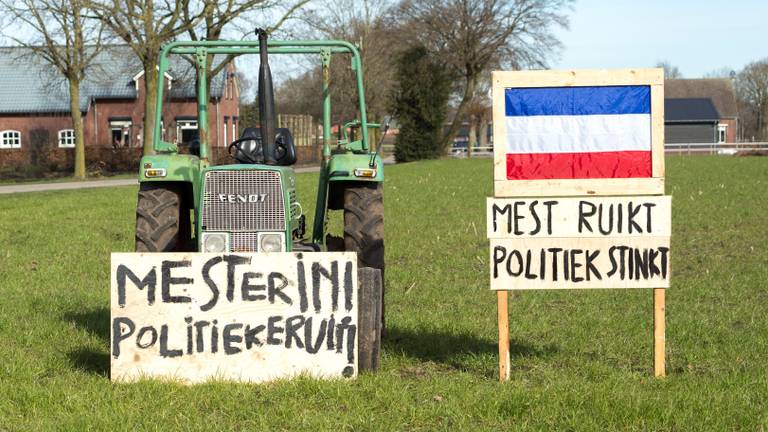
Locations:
column 162, row 219
column 364, row 228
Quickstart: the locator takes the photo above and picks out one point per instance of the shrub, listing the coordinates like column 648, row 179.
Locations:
column 419, row 102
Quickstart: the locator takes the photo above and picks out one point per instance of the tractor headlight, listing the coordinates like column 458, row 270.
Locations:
column 215, row 242
column 271, row 242
column 365, row 172
column 154, row 172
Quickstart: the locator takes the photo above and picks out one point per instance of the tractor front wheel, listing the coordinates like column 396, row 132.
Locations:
column 364, row 228
column 162, row 219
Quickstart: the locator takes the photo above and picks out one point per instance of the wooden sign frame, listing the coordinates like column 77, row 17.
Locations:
column 653, row 77
column 654, row 185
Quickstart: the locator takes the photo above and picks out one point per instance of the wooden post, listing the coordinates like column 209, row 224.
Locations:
column 659, row 338
column 303, row 130
column 503, row 306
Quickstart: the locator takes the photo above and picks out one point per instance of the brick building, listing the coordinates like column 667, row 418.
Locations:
column 36, row 128
column 700, row 111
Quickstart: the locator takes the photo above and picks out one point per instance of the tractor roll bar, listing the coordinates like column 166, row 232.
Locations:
column 203, row 48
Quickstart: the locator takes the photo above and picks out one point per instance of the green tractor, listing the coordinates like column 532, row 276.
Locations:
column 185, row 204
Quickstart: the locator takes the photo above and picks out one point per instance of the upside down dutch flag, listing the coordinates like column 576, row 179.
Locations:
column 578, row 132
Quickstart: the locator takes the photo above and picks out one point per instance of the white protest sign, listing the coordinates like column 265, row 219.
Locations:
column 579, row 217
column 614, row 262
column 589, row 242
column 246, row 316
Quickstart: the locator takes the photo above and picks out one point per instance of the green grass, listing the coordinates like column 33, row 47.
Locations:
column 581, row 360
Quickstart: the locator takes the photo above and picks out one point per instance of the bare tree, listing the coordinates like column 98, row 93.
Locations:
column 244, row 85
column 223, row 15
column 302, row 94
column 145, row 25
column 723, row 72
column 474, row 36
column 64, row 39
column 670, row 71
column 478, row 114
column 752, row 90
column 367, row 24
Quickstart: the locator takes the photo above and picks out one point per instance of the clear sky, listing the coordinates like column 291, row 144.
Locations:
column 696, row 36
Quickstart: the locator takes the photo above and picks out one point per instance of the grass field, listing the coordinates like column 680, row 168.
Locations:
column 581, row 360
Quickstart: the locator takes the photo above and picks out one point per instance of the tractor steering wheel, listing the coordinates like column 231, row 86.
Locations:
column 254, row 154
column 251, row 153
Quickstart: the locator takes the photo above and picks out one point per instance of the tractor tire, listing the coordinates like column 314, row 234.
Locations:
column 364, row 228
column 369, row 318
column 162, row 219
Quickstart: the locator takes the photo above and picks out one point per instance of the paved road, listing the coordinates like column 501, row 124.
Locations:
column 38, row 187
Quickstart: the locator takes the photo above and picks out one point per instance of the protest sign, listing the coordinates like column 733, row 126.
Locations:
column 578, row 187
column 246, row 316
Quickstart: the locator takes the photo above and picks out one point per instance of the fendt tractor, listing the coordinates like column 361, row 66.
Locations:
column 185, row 204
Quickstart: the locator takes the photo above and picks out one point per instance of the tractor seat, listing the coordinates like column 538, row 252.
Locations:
column 252, row 151
column 285, row 150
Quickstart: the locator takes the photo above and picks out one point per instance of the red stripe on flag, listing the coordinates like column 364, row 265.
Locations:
column 619, row 164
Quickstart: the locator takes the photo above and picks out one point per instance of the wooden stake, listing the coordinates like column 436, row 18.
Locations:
column 503, row 306
column 659, row 337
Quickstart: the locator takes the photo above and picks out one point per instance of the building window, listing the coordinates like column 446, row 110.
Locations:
column 234, row 128
column 186, row 131
column 67, row 138
column 226, row 126
column 121, row 133
column 10, row 139
column 721, row 133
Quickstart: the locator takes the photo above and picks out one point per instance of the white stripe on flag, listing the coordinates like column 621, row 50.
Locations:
column 578, row 134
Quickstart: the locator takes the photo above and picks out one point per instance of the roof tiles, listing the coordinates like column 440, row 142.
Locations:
column 29, row 85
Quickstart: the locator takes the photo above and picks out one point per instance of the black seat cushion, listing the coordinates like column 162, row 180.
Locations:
column 285, row 150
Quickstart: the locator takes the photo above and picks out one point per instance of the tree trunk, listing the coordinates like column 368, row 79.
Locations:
column 472, row 142
column 373, row 134
column 150, row 99
column 469, row 93
column 77, row 125
column 483, row 132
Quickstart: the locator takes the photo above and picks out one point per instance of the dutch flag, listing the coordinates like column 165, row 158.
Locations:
column 578, row 132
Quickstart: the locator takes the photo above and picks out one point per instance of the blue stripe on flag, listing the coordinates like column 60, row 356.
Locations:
column 577, row 100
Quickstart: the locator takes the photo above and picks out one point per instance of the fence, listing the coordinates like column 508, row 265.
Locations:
column 476, row 151
column 302, row 128
column 712, row 148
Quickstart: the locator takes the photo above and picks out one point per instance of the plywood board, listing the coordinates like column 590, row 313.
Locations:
column 653, row 185
column 573, row 263
column 579, row 217
column 572, row 187
column 580, row 77
column 246, row 317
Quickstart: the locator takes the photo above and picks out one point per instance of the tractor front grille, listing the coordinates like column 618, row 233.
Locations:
column 229, row 204
column 245, row 242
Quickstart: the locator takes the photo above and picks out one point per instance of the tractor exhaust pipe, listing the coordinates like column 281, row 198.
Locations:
column 266, row 102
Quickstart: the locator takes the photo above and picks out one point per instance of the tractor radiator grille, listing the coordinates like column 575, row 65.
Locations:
column 243, row 201
column 245, row 242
